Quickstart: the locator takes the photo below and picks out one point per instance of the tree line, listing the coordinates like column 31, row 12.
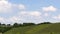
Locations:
column 4, row 27
column 24, row 24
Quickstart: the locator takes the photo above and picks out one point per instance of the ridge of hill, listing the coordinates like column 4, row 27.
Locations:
column 36, row 29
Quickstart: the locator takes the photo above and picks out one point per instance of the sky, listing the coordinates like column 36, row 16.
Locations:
column 36, row 11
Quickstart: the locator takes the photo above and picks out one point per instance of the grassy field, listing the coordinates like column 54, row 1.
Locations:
column 36, row 29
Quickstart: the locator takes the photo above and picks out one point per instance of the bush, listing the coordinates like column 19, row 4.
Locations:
column 28, row 24
column 44, row 23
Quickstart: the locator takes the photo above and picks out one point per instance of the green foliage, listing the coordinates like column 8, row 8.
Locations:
column 4, row 29
column 31, row 28
column 15, row 25
column 28, row 24
column 27, row 29
column 36, row 29
column 44, row 23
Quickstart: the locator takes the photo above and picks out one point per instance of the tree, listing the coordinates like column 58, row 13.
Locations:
column 8, row 25
column 0, row 24
column 44, row 23
column 15, row 25
column 28, row 24
column 47, row 23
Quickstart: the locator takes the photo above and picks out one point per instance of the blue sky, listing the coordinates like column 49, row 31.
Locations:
column 35, row 11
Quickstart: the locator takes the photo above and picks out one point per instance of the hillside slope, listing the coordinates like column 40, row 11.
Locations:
column 36, row 29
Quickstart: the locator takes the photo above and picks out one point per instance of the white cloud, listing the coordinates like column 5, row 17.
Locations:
column 14, row 19
column 7, row 7
column 31, row 13
column 35, row 13
column 21, row 6
column 23, row 12
column 2, row 19
column 3, row 0
column 57, row 17
column 10, row 20
column 49, row 8
column 46, row 14
column 26, row 17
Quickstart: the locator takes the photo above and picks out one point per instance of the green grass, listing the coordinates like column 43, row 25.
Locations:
column 36, row 29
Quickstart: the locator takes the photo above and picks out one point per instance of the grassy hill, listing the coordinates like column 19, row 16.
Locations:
column 36, row 29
